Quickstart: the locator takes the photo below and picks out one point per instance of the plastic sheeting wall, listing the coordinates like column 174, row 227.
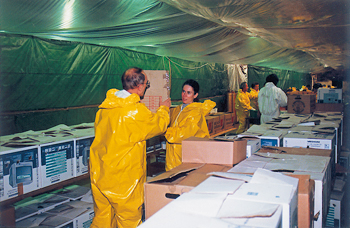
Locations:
column 286, row 78
column 48, row 82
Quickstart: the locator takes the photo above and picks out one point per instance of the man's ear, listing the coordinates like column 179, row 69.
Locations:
column 196, row 95
column 139, row 88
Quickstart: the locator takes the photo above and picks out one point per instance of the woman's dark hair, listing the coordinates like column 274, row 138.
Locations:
column 254, row 84
column 194, row 84
column 272, row 78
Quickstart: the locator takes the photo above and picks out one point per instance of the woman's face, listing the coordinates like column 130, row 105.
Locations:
column 188, row 94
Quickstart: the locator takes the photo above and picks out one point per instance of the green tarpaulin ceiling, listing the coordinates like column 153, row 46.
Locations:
column 299, row 35
column 58, row 58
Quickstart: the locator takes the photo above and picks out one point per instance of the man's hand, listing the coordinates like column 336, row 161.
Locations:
column 167, row 102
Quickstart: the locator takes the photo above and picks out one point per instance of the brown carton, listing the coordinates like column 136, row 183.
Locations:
column 164, row 188
column 296, row 151
column 228, row 121
column 329, row 107
column 203, row 150
column 301, row 103
column 210, row 123
column 306, row 194
column 219, row 124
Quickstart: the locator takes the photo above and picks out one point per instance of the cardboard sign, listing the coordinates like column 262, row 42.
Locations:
column 159, row 89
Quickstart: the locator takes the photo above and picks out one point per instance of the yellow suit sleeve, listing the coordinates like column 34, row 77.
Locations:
column 152, row 124
column 185, row 129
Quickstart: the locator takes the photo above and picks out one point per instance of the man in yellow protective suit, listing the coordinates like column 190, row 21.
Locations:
column 186, row 120
column 118, row 153
column 242, row 105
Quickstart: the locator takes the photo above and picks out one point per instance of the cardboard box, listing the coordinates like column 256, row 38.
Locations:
column 228, row 123
column 316, row 141
column 210, row 123
column 74, row 214
column 201, row 210
column 79, row 212
column 301, row 103
column 270, row 187
column 82, row 146
column 309, row 140
column 46, row 220
column 296, row 151
column 325, row 95
column 219, row 123
column 213, row 203
column 272, row 138
column 167, row 186
column 212, row 151
column 7, row 216
column 19, row 172
column 344, row 159
column 264, row 221
column 329, row 107
column 334, row 217
column 85, row 219
column 306, row 194
column 37, row 205
column 159, row 90
column 57, row 162
column 153, row 144
column 253, row 145
column 318, row 167
column 234, row 117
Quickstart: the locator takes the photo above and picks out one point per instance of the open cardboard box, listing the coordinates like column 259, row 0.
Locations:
column 306, row 195
column 166, row 187
column 222, row 201
column 213, row 151
column 296, row 151
column 318, row 167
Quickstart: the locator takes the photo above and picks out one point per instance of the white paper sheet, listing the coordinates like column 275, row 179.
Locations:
column 218, row 185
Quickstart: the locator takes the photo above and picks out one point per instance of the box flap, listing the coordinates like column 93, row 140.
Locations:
column 218, row 185
column 268, row 177
column 199, row 175
column 233, row 176
column 295, row 151
column 176, row 172
column 246, row 209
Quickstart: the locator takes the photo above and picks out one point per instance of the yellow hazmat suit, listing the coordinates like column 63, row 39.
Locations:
column 242, row 105
column 184, row 124
column 253, row 96
column 118, row 158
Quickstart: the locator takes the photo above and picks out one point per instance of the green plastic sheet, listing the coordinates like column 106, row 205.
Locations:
column 48, row 82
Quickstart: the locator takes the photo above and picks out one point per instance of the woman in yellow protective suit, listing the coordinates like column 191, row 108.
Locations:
column 242, row 105
column 186, row 120
column 118, row 152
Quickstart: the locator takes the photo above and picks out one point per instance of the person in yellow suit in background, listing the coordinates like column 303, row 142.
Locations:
column 242, row 105
column 186, row 120
column 118, row 152
column 253, row 95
